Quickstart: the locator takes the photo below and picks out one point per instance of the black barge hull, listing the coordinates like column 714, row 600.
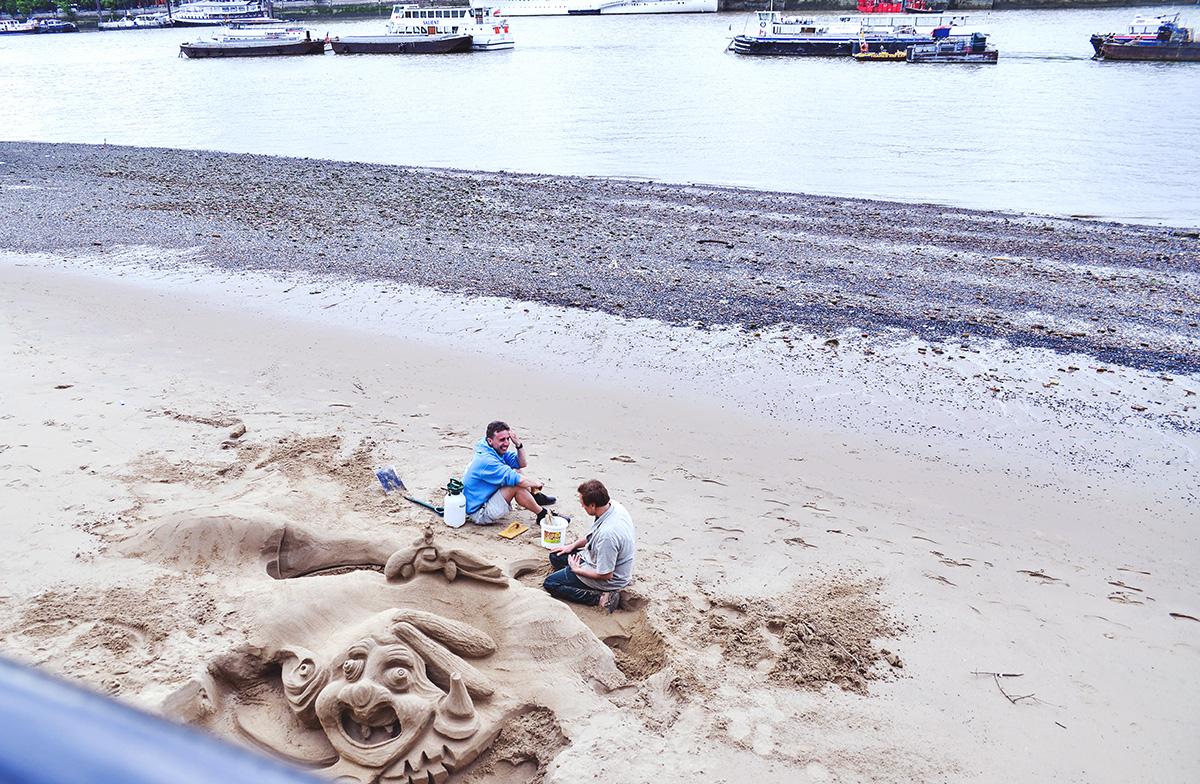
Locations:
column 417, row 45
column 835, row 48
column 1184, row 53
column 258, row 50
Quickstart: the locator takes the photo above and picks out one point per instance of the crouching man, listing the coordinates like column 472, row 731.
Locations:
column 594, row 569
column 496, row 478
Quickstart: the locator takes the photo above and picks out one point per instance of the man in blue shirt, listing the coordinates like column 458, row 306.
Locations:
column 495, row 478
column 594, row 569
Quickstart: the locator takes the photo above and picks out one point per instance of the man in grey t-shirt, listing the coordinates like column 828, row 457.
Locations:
column 594, row 569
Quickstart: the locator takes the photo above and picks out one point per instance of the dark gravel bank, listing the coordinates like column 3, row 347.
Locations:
column 693, row 255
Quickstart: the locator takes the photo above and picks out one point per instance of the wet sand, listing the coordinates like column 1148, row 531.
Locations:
column 679, row 254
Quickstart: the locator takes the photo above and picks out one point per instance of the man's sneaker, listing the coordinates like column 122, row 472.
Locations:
column 543, row 499
column 610, row 601
column 541, row 515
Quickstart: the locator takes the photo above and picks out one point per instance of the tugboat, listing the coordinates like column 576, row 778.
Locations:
column 1153, row 38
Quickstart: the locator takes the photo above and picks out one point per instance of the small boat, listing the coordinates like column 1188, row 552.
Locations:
column 972, row 48
column 414, row 29
column 772, row 33
column 143, row 22
column 35, row 25
column 12, row 26
column 255, row 41
column 1154, row 38
column 926, row 6
column 54, row 26
column 214, row 13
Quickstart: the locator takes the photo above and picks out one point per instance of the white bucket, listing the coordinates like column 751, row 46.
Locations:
column 554, row 529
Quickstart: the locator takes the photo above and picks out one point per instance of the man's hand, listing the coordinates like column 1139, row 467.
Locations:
column 575, row 562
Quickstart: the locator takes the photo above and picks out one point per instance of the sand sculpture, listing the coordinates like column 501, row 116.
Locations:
column 394, row 678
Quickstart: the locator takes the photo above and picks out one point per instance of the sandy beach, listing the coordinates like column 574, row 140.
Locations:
column 915, row 487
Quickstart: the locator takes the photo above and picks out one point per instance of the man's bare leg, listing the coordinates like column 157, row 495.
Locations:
column 523, row 497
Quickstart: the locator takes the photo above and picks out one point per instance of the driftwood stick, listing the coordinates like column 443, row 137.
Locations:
column 1012, row 699
column 999, row 674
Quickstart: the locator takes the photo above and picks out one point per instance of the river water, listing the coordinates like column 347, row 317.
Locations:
column 1046, row 130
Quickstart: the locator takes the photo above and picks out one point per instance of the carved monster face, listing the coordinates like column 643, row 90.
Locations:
column 377, row 702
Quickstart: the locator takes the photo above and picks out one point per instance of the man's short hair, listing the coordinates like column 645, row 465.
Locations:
column 495, row 427
column 593, row 493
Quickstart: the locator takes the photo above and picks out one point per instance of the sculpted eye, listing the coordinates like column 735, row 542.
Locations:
column 397, row 678
column 353, row 669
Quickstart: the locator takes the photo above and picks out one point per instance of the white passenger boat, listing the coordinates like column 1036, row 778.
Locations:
column 773, row 33
column 487, row 25
column 130, row 22
column 413, row 29
column 214, row 13
column 594, row 7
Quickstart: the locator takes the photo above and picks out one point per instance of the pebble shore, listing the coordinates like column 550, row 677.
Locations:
column 683, row 254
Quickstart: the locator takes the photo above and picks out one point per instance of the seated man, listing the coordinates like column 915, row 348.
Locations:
column 495, row 478
column 594, row 569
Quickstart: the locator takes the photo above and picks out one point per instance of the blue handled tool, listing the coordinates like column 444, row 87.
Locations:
column 391, row 481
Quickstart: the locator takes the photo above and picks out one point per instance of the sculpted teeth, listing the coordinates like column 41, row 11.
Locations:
column 362, row 733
